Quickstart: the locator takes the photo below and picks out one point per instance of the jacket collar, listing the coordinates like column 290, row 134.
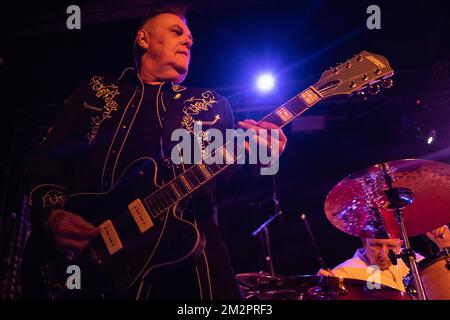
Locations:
column 131, row 74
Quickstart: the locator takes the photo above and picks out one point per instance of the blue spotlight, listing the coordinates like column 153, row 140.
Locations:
column 265, row 82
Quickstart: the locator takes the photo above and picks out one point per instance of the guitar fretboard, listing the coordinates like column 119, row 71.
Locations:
column 199, row 174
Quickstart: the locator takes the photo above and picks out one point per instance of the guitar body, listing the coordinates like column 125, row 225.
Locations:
column 171, row 240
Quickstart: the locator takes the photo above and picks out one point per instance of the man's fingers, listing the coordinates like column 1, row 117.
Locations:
column 252, row 124
column 268, row 125
column 76, row 233
column 251, row 121
column 249, row 125
column 80, row 222
column 262, row 142
column 76, row 228
column 247, row 146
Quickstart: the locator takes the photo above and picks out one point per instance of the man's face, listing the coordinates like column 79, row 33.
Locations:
column 168, row 53
column 377, row 251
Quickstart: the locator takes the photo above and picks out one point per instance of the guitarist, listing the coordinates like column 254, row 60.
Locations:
column 106, row 124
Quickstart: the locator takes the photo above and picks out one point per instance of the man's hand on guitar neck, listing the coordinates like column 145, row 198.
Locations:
column 267, row 140
column 70, row 231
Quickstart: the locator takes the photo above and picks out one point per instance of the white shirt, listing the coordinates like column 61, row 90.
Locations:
column 358, row 268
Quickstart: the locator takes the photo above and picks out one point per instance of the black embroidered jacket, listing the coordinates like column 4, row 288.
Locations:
column 86, row 148
column 105, row 126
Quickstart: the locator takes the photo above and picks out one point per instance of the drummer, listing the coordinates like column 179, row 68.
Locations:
column 374, row 254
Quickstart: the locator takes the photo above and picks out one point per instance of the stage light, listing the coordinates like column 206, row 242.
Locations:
column 426, row 135
column 431, row 137
column 265, row 82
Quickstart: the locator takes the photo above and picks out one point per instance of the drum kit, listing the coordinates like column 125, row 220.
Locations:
column 396, row 199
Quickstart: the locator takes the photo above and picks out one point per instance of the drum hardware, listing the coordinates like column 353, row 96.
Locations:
column 263, row 230
column 405, row 254
column 397, row 199
column 262, row 286
column 319, row 256
column 391, row 197
column 392, row 200
column 411, row 256
column 435, row 275
column 337, row 288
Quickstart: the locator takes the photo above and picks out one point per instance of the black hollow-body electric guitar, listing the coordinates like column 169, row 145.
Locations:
column 141, row 230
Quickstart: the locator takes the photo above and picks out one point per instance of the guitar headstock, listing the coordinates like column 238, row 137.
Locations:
column 365, row 71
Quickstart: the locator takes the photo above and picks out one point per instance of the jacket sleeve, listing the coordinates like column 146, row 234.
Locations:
column 50, row 161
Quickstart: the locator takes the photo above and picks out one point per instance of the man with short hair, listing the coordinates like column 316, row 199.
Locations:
column 107, row 124
column 375, row 253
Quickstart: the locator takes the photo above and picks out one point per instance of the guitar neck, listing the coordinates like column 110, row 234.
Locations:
column 199, row 174
column 294, row 107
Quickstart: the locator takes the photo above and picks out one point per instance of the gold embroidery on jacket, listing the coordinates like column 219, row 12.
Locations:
column 107, row 93
column 54, row 198
column 88, row 106
column 177, row 87
column 192, row 107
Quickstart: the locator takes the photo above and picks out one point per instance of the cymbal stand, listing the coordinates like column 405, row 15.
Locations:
column 264, row 231
column 398, row 200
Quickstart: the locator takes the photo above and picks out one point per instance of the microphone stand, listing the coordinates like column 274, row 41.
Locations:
column 319, row 256
column 264, row 231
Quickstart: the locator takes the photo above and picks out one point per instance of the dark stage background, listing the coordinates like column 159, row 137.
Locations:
column 42, row 61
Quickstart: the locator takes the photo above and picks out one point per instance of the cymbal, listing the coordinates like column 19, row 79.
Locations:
column 361, row 204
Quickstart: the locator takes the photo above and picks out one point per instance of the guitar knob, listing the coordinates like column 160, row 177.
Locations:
column 387, row 83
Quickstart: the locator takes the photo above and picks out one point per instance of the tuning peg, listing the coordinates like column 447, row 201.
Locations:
column 360, row 58
column 374, row 89
column 387, row 83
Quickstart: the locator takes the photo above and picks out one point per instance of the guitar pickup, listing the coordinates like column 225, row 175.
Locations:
column 140, row 215
column 110, row 237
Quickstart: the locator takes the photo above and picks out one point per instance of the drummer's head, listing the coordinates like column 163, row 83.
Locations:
column 377, row 250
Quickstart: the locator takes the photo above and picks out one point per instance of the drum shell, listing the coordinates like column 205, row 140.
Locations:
column 435, row 275
column 262, row 286
column 334, row 288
